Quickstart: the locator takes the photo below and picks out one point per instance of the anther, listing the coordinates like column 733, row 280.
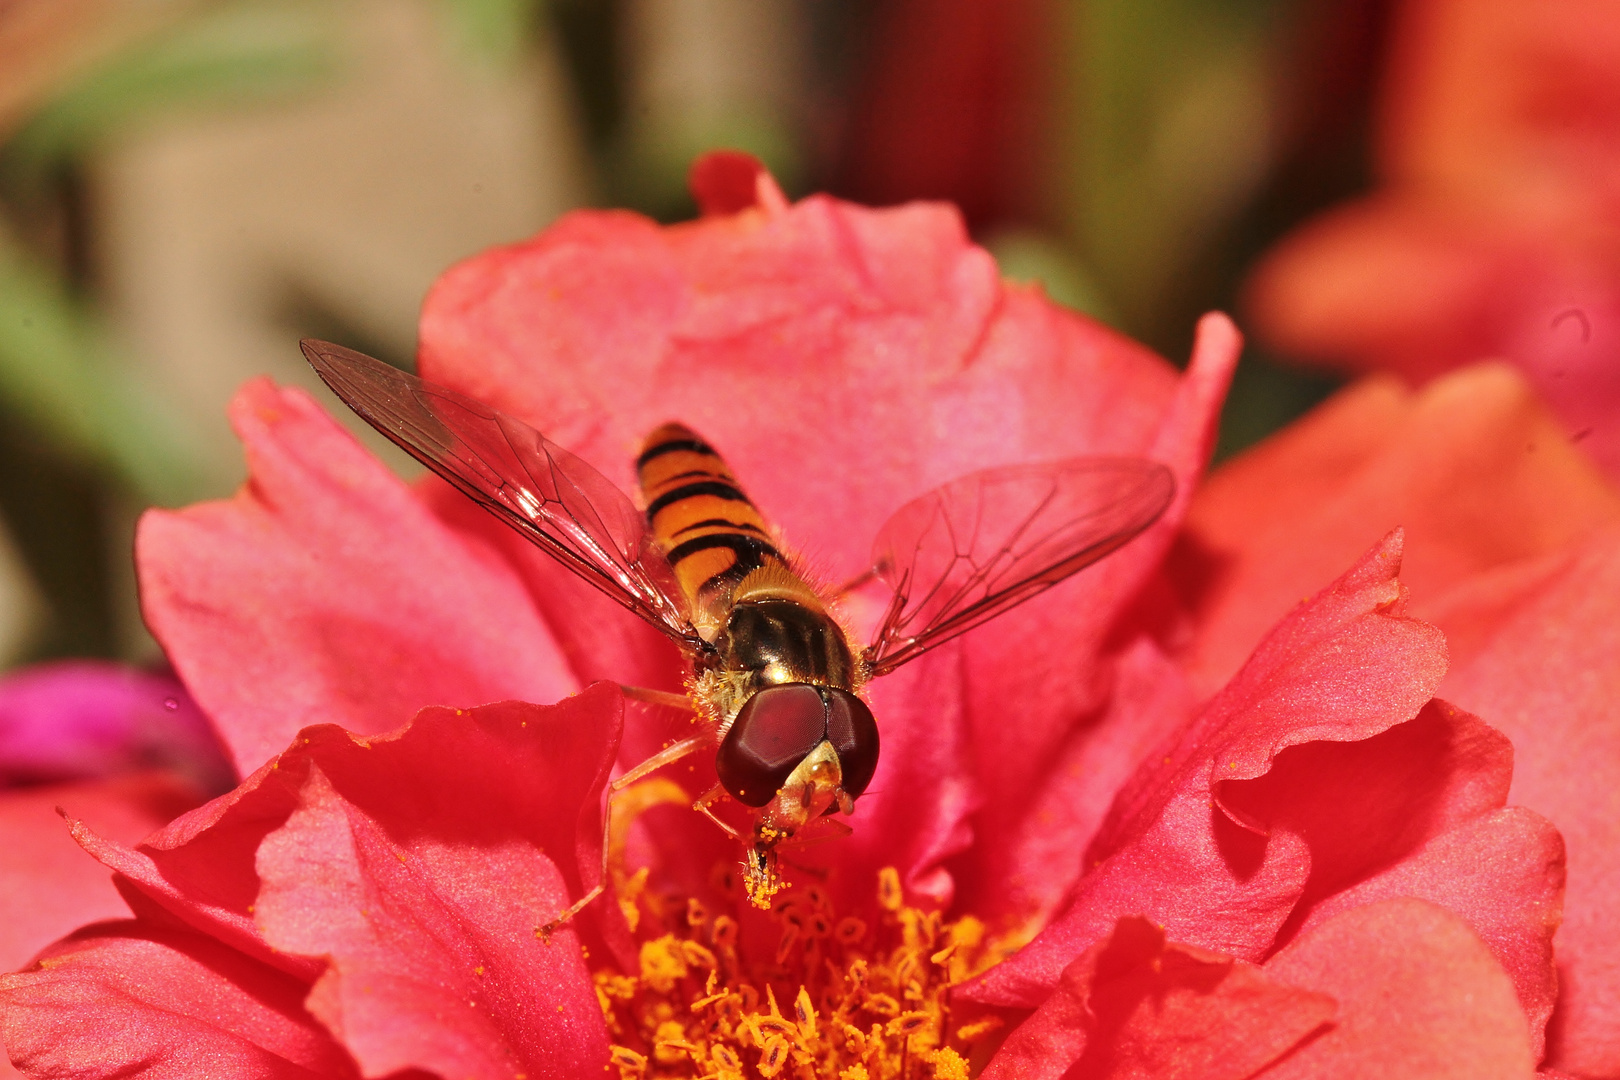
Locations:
column 890, row 895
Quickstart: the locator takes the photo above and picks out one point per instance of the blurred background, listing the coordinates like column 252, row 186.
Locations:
column 187, row 186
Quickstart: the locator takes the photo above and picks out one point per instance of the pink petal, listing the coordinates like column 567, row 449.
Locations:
column 50, row 888
column 1041, row 664
column 1372, row 807
column 1344, row 667
column 1039, row 862
column 325, row 592
column 1473, row 468
column 433, row 958
column 1419, row 996
column 1545, row 673
column 841, row 358
column 123, row 999
column 1136, row 1006
column 1503, row 874
column 457, row 795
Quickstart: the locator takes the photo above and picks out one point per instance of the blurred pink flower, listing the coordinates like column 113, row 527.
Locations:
column 83, row 719
column 1496, row 231
column 1320, row 854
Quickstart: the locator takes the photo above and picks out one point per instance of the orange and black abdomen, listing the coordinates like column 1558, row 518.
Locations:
column 698, row 515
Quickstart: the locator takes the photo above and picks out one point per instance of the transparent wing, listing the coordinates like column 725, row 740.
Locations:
column 553, row 498
column 970, row 550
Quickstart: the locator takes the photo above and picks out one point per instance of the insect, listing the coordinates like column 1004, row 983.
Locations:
column 776, row 681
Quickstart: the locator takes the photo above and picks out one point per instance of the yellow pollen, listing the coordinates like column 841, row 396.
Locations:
column 834, row 997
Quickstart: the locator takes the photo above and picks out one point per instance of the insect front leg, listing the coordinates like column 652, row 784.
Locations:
column 617, row 790
column 658, row 697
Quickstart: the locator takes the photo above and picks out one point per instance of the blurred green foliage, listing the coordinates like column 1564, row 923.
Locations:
column 61, row 375
column 236, row 53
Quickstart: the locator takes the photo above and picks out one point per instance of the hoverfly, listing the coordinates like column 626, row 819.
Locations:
column 775, row 680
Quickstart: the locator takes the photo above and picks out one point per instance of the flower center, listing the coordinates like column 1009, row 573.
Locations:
column 838, row 997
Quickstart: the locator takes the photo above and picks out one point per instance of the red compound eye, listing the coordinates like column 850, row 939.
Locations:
column 854, row 734
column 773, row 732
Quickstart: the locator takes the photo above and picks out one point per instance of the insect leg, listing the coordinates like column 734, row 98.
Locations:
column 615, row 789
column 658, row 697
column 706, row 800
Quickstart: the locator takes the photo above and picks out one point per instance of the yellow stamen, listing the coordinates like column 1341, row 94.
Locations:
column 868, row 1002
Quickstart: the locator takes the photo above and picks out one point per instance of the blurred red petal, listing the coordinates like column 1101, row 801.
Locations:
column 727, row 182
column 1392, row 283
column 1545, row 673
column 1135, row 1006
column 50, row 888
column 1494, row 233
column 122, row 999
column 1343, row 667
column 1472, row 468
column 1419, row 996
column 325, row 592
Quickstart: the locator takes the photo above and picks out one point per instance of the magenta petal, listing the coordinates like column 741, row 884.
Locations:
column 1345, row 666
column 1135, row 1006
column 121, row 1000
column 78, row 719
column 326, row 592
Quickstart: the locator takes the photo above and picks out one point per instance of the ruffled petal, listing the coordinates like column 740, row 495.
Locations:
column 1137, row 1006
column 400, row 877
column 325, row 592
column 1179, row 847
column 122, row 999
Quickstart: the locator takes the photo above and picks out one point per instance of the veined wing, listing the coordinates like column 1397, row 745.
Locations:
column 969, row 550
column 556, row 500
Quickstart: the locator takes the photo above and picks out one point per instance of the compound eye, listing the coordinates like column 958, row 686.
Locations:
column 854, row 734
column 774, row 731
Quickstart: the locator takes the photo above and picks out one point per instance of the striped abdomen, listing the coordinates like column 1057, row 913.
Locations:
column 699, row 517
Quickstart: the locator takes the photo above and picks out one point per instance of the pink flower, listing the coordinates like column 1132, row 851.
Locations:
column 81, row 719
column 1494, row 233
column 1319, row 854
